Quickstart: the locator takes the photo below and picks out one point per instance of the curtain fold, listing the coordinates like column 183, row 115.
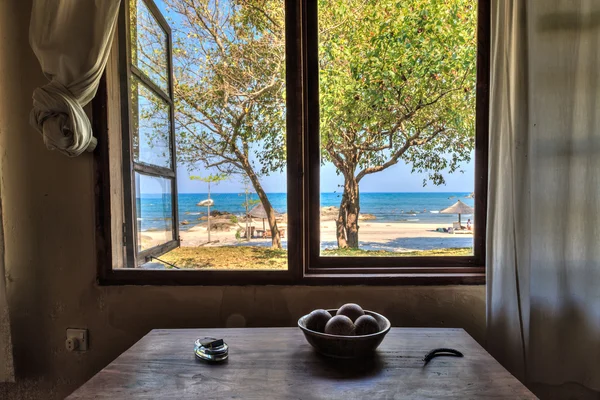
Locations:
column 71, row 39
column 543, row 306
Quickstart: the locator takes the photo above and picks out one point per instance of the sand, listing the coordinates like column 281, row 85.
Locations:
column 393, row 236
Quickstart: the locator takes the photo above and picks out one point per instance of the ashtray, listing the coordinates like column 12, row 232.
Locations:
column 211, row 349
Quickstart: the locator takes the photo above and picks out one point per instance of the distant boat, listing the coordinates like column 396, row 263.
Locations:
column 451, row 197
column 470, row 196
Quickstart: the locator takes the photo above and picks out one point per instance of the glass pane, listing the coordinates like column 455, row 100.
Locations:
column 229, row 70
column 154, row 213
column 148, row 44
column 151, row 126
column 397, row 122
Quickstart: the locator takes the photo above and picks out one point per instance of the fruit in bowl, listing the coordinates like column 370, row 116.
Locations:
column 340, row 325
column 347, row 332
column 317, row 320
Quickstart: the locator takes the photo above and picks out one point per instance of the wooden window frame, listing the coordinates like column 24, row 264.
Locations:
column 129, row 165
column 305, row 266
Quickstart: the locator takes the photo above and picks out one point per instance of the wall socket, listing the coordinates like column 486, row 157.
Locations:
column 77, row 339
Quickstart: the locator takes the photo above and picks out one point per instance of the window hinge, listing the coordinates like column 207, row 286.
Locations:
column 124, row 234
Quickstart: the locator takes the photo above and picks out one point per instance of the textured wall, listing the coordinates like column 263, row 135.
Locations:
column 50, row 257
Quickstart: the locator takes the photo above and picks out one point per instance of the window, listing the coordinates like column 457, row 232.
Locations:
column 277, row 141
column 151, row 220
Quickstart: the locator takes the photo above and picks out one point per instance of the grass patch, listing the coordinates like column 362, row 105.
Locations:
column 227, row 258
column 455, row 251
column 264, row 258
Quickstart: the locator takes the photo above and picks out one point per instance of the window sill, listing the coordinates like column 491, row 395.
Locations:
column 286, row 278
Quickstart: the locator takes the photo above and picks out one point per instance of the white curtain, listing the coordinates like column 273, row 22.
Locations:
column 71, row 39
column 543, row 309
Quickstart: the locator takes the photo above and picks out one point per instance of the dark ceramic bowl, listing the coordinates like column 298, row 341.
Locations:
column 339, row 346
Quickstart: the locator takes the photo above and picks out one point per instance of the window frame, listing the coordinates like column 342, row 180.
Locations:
column 319, row 265
column 130, row 167
column 302, row 166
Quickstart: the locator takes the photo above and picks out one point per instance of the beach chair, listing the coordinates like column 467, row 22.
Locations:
column 457, row 228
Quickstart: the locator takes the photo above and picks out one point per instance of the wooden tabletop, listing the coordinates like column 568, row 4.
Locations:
column 278, row 363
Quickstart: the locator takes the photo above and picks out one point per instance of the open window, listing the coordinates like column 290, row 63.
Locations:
column 282, row 141
column 150, row 225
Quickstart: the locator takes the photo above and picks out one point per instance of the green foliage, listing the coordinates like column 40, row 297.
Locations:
column 229, row 60
column 397, row 82
column 212, row 178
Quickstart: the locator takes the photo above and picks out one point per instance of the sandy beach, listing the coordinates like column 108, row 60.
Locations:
column 392, row 236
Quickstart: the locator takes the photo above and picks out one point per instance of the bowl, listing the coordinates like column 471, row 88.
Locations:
column 339, row 346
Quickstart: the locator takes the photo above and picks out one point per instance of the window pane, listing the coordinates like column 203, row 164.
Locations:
column 397, row 124
column 229, row 76
column 148, row 44
column 154, row 213
column 151, row 126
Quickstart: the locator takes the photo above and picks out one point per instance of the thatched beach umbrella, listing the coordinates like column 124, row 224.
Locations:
column 458, row 208
column 259, row 212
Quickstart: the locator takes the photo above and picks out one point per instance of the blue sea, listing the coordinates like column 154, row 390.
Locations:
column 417, row 207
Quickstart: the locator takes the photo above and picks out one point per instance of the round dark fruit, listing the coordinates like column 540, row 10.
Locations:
column 366, row 325
column 351, row 310
column 317, row 320
column 340, row 325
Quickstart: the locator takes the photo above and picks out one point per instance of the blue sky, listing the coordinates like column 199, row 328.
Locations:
column 395, row 179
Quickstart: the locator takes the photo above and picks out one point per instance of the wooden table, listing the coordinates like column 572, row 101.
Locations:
column 278, row 363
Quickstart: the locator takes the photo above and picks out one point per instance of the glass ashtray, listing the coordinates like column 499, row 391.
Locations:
column 211, row 349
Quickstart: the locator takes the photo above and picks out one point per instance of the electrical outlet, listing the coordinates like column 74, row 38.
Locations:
column 77, row 339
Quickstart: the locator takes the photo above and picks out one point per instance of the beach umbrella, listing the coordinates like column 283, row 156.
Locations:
column 458, row 208
column 259, row 212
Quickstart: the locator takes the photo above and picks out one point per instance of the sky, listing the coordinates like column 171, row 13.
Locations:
column 397, row 178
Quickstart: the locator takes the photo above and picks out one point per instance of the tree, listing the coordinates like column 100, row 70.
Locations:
column 229, row 75
column 229, row 60
column 247, row 204
column 397, row 83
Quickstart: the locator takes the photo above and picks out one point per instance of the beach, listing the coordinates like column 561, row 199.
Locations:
column 388, row 236
column 391, row 222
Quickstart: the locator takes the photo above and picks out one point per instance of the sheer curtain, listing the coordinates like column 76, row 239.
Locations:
column 544, row 197
column 71, row 39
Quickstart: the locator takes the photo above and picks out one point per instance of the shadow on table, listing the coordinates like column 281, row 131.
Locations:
column 327, row 367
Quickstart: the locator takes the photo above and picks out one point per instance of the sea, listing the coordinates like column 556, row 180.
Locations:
column 415, row 207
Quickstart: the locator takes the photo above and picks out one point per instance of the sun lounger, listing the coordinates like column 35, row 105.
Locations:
column 458, row 229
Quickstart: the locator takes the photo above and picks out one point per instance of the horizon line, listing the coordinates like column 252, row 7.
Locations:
column 254, row 193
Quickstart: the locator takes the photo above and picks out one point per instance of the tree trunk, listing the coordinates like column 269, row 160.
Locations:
column 275, row 235
column 347, row 221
